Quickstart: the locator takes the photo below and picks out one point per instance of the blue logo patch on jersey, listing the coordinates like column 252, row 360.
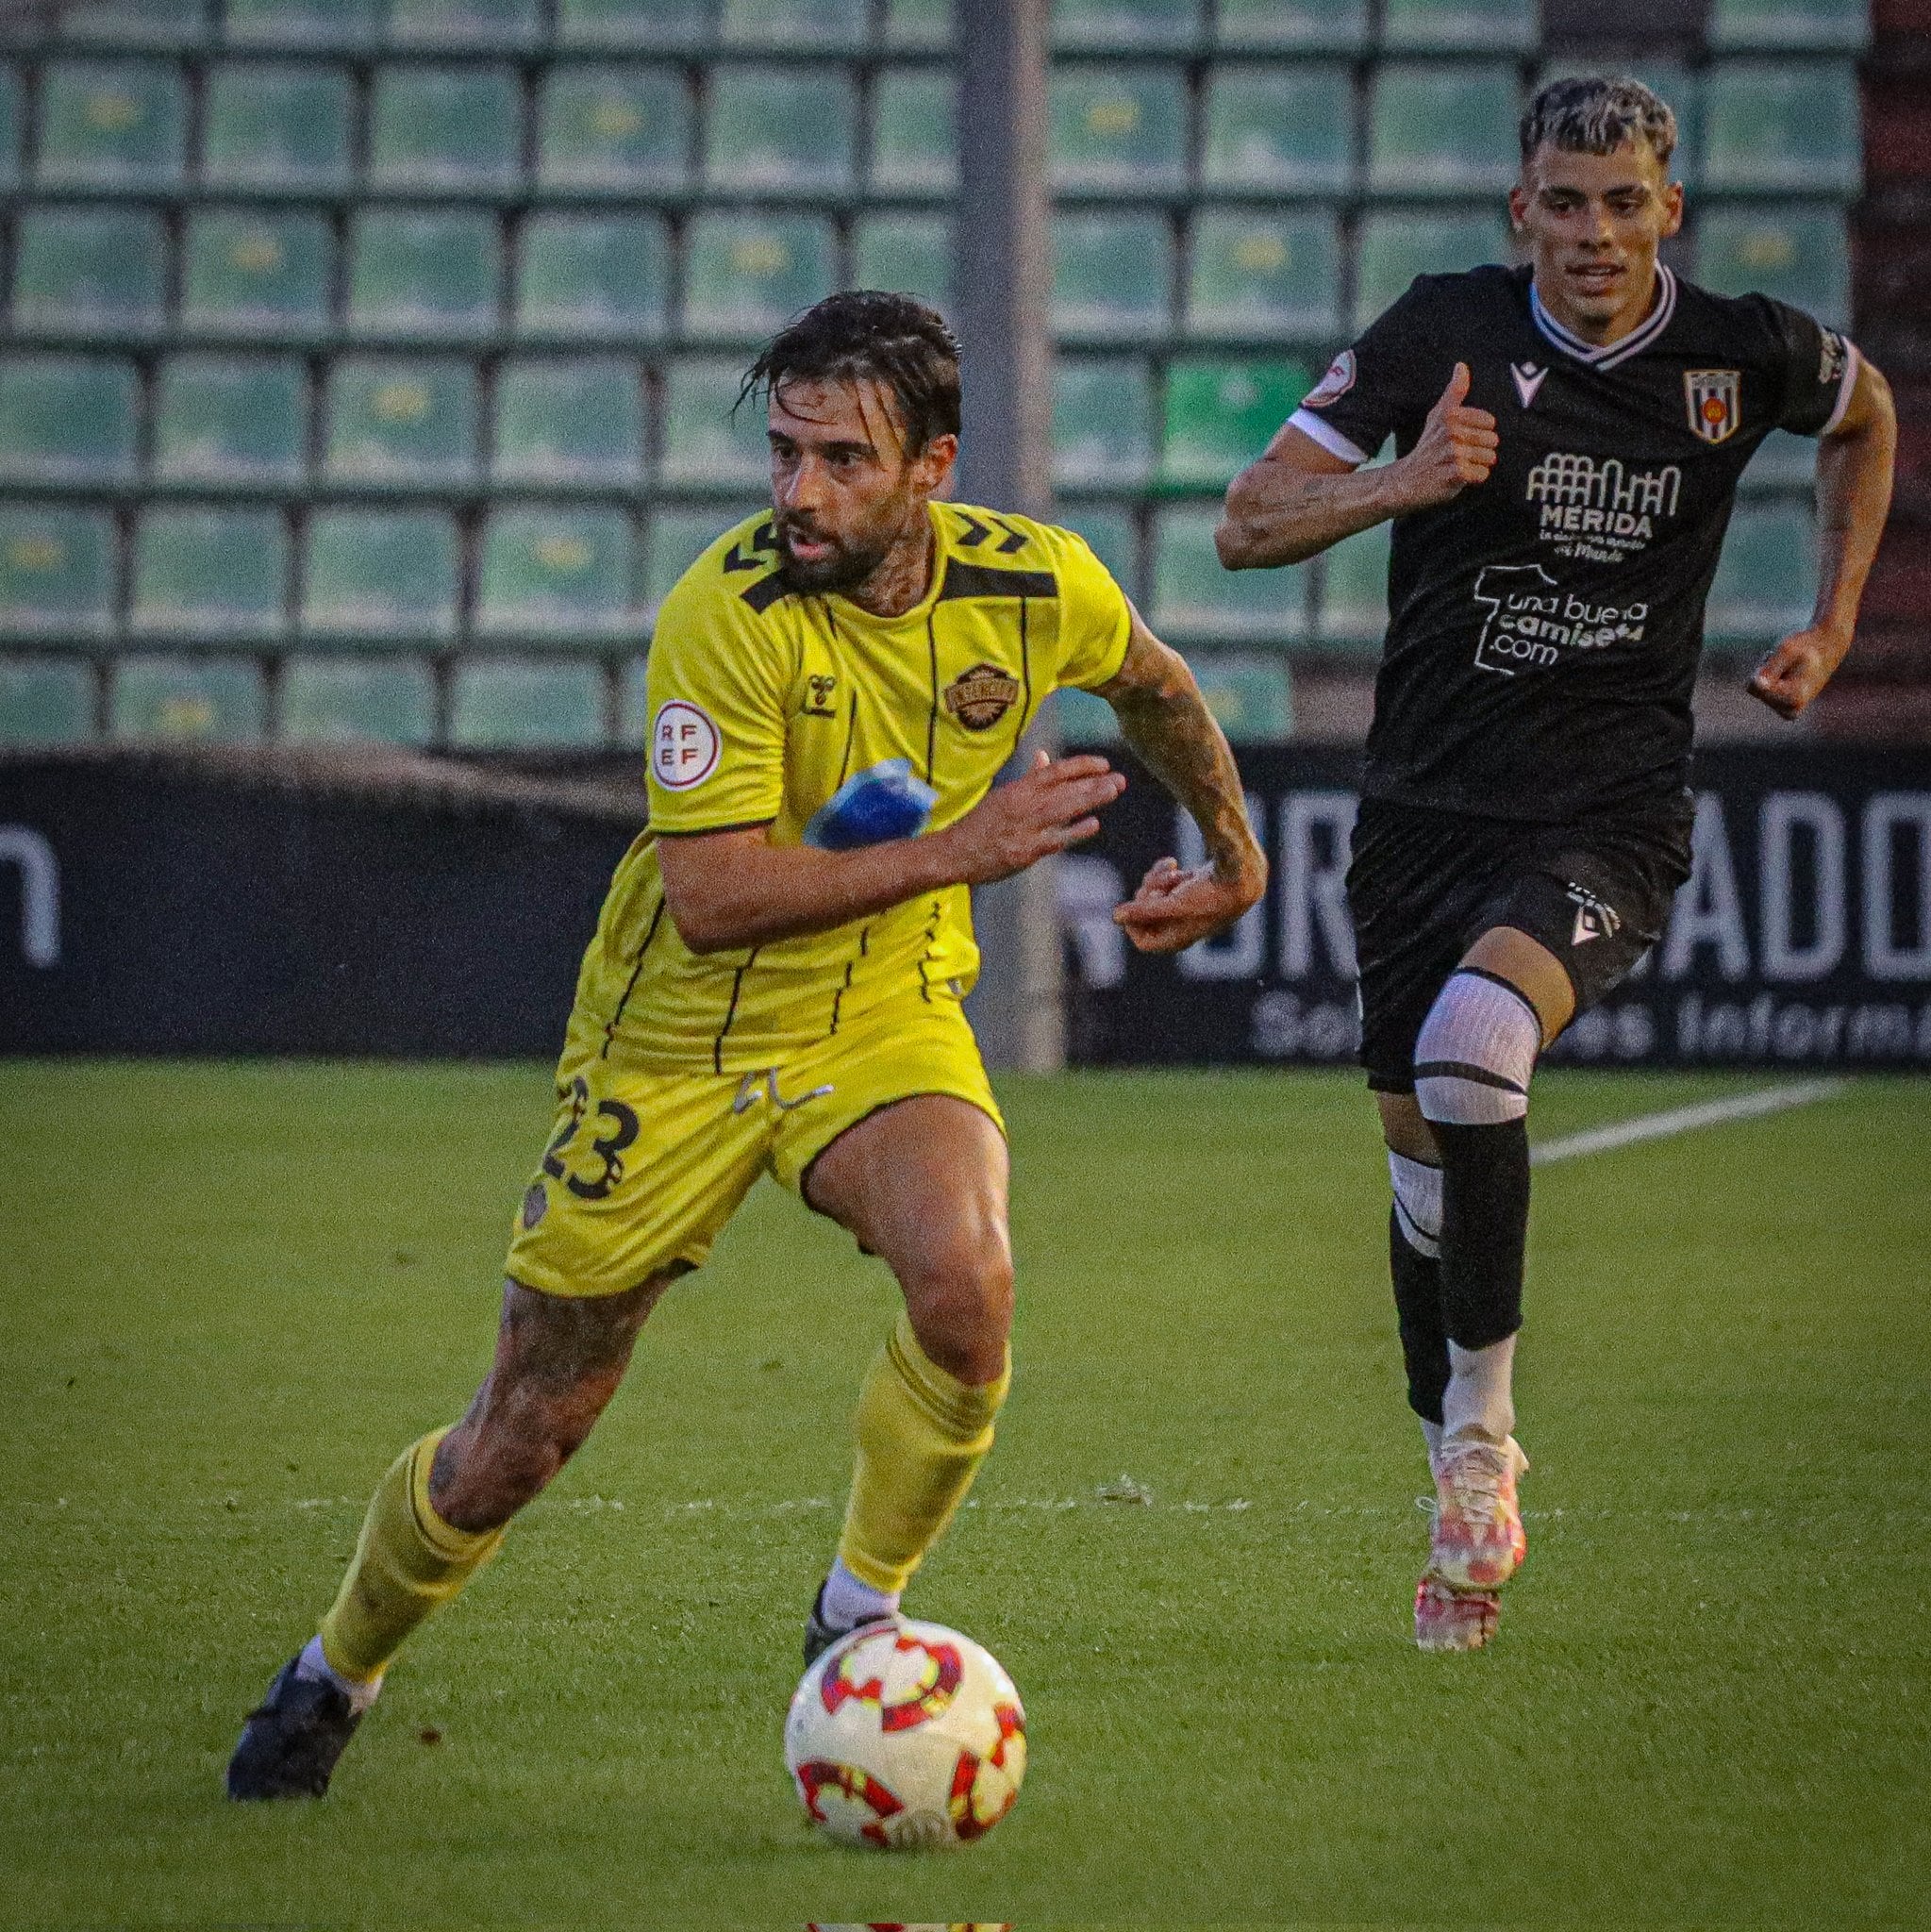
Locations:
column 886, row 802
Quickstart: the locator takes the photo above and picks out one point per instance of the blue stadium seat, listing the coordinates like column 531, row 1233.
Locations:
column 1766, row 579
column 347, row 24
column 526, row 704
column 417, row 273
column 209, row 575
column 89, row 272
column 780, row 129
column 1784, row 26
column 588, row 277
column 637, row 27
column 68, row 419
column 401, row 421
column 567, row 423
column 561, row 574
column 377, row 574
column 111, row 123
column 746, row 275
column 187, row 700
column 1800, row 255
column 231, row 420
column 135, row 23
column 914, row 131
column 922, row 26
column 1353, row 591
column 811, row 25
column 1275, row 127
column 357, row 701
column 56, row 572
column 610, row 128
column 1249, row 696
column 257, row 272
column 445, row 129
column 1117, row 129
column 45, row 701
column 1103, row 422
column 278, row 125
column 1112, row 274
column 912, row 253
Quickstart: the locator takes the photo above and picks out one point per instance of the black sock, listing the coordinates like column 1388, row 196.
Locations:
column 1418, row 1309
column 1485, row 1223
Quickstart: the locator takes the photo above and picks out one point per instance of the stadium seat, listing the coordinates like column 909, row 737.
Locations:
column 1776, row 125
column 642, row 26
column 746, row 275
column 221, row 418
column 568, row 574
column 562, row 422
column 1393, row 249
column 1784, row 26
column 255, row 272
column 1258, row 273
column 709, row 442
column 1103, row 414
column 357, row 700
column 135, row 23
column 277, row 126
column 1083, row 718
column 45, row 701
column 810, row 25
column 912, row 253
column 111, row 123
column 56, row 572
column 678, row 538
column 1767, row 577
column 1280, row 127
column 437, row 129
column 66, row 419
column 781, row 131
column 210, row 700
column 1442, row 128
column 1110, row 532
column 1353, row 591
column 585, row 276
column 417, row 273
column 527, row 705
column 914, row 131
column 209, row 575
column 1195, row 598
column 633, row 703
column 89, row 272
column 349, row 24
column 509, row 24
column 380, row 574
column 1248, row 696
column 10, row 124
column 1458, row 26
column 400, row 420
column 1313, row 27
column 1112, row 275
column 1167, row 26
column 1800, row 255
column 1117, row 128
column 612, row 129
column 1223, row 411
column 1783, row 462
column 925, row 25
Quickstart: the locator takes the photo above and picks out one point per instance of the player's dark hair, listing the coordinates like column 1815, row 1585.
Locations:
column 865, row 333
column 1594, row 115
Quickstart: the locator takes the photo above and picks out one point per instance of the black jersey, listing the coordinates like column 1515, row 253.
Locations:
column 1545, row 625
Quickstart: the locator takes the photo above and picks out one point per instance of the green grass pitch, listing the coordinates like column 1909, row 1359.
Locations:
column 232, row 1293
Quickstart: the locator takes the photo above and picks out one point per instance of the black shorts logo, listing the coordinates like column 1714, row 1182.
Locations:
column 1594, row 918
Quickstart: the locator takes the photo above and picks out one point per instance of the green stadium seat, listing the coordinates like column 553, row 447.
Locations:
column 1110, row 531
column 527, row 705
column 417, row 273
column 709, row 442
column 277, row 126
column 1442, row 128
column 1195, row 598
column 1103, row 416
column 1288, row 128
column 746, row 275
column 912, row 253
column 111, row 123
column 211, row 574
column 1166, row 24
column 678, row 538
column 567, row 574
column 1258, row 273
column 357, row 701
column 593, row 275
column 1771, row 126
column 373, row 574
column 1112, row 275
column 813, row 26
column 205, row 700
column 345, row 23
column 135, row 23
column 1117, row 129
column 923, row 25
column 1393, row 249
column 1800, row 255
column 641, row 26
column 11, row 122
column 1223, row 411
column 1312, row 26
column 89, row 272
column 1458, row 26
column 437, row 129
column 1766, row 579
column 1784, row 26
column 45, row 701
column 56, row 572
column 780, row 130
column 1353, row 591
column 509, row 24
column 221, row 418
column 256, row 272
column 1248, row 696
column 915, row 131
column 67, row 419
column 569, row 423
column 613, row 129
column 400, row 420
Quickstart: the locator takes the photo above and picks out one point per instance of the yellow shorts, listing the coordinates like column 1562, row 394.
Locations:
column 644, row 1168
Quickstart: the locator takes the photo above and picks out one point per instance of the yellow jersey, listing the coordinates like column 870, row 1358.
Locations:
column 763, row 702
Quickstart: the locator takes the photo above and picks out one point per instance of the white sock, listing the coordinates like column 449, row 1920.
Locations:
column 849, row 1603
column 362, row 1692
column 1479, row 1402
column 1431, row 1434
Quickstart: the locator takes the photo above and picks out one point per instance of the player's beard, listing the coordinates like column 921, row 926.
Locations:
column 845, row 568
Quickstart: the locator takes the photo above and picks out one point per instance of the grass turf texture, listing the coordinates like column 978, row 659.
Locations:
column 234, row 1291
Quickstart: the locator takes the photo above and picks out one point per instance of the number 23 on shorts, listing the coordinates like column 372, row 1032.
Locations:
column 606, row 1152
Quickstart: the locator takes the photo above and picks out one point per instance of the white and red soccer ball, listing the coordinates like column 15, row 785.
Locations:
column 906, row 1737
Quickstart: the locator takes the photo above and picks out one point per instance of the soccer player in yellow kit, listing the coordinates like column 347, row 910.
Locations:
column 775, row 982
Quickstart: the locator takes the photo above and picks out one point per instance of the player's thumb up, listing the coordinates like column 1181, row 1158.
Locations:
column 1457, row 393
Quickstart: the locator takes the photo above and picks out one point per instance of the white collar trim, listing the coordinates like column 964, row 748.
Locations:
column 1606, row 356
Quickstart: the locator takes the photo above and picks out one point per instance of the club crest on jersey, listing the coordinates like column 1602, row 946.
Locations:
column 980, row 697
column 1338, row 380
column 1715, row 401
column 1595, row 919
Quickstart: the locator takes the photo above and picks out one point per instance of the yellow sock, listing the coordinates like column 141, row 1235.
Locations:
column 921, row 1436
column 408, row 1562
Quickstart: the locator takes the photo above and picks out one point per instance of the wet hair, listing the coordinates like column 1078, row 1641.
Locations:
column 1594, row 115
column 895, row 341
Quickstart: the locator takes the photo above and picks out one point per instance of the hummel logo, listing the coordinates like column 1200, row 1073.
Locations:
column 1593, row 919
column 1528, row 379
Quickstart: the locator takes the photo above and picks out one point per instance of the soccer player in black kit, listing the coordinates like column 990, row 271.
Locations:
column 1568, row 435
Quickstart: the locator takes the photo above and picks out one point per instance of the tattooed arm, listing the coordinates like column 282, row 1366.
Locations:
column 1161, row 711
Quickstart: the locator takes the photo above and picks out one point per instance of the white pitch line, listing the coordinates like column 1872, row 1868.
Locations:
column 1685, row 1119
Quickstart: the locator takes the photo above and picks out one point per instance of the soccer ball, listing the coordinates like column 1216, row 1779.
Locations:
column 906, row 1735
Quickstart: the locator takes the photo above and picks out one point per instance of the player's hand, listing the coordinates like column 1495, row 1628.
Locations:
column 1173, row 906
column 1797, row 670
column 1457, row 448
column 1020, row 822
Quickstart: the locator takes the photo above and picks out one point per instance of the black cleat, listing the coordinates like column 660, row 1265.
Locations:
column 820, row 1636
column 291, row 1742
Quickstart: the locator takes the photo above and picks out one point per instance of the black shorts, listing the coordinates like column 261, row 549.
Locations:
column 1424, row 885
